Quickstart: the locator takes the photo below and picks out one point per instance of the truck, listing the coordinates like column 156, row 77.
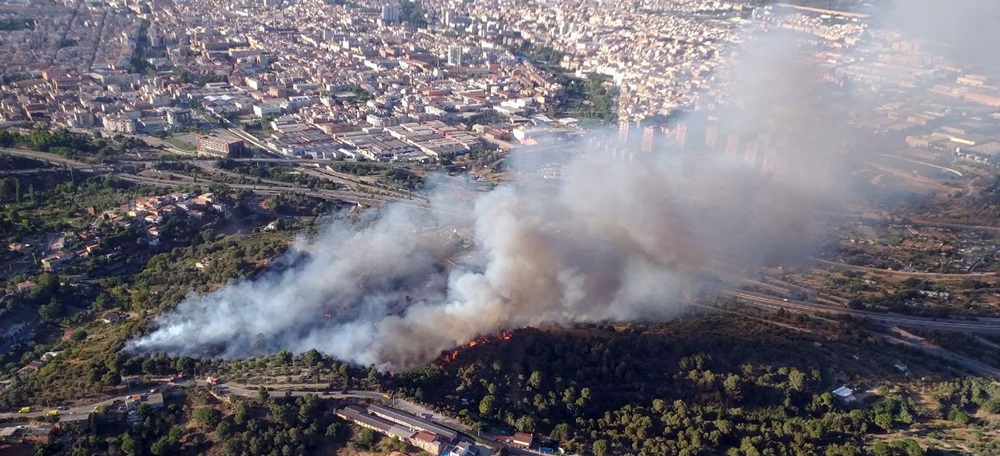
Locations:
column 24, row 410
column 52, row 413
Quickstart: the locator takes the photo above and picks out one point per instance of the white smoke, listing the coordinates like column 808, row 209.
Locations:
column 610, row 239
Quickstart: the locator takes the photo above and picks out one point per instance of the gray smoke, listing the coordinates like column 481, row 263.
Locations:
column 963, row 31
column 610, row 239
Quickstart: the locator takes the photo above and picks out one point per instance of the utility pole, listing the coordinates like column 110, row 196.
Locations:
column 128, row 383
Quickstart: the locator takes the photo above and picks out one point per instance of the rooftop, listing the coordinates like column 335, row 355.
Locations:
column 413, row 421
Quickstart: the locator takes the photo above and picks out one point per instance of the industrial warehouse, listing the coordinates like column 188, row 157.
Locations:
column 419, row 432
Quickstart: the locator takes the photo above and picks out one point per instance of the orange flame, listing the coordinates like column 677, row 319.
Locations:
column 481, row 340
column 449, row 357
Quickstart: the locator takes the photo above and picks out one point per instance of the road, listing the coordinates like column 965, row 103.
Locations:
column 84, row 169
column 980, row 325
column 927, row 275
column 252, row 391
column 913, row 221
column 370, row 199
column 335, row 195
column 972, row 365
column 918, row 162
column 401, row 404
column 890, row 321
column 236, row 390
column 46, row 157
column 39, row 411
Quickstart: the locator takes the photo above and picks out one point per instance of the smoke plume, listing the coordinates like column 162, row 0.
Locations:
column 614, row 237
column 610, row 240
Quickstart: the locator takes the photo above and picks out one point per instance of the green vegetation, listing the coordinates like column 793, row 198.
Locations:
column 13, row 162
column 41, row 207
column 276, row 172
column 972, row 346
column 543, row 57
column 181, row 144
column 360, row 95
column 287, row 203
column 60, row 142
column 673, row 388
column 115, row 268
column 143, row 52
column 484, row 154
column 278, row 426
column 50, row 298
column 155, row 433
column 590, row 98
column 388, row 174
column 404, row 178
column 283, row 367
column 190, row 77
column 89, row 367
column 39, row 203
column 195, row 423
column 487, row 117
column 358, row 168
column 991, row 192
column 413, row 13
column 593, row 97
column 70, row 145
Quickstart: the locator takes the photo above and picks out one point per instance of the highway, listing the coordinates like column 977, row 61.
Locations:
column 889, row 321
column 913, row 221
column 45, row 157
column 92, row 169
column 926, row 275
column 333, row 195
column 918, row 162
column 980, row 325
column 271, row 187
column 825, row 305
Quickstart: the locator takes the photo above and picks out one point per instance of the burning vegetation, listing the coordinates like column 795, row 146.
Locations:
column 447, row 357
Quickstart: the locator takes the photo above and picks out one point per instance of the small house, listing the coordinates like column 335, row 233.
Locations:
column 523, row 440
column 845, row 394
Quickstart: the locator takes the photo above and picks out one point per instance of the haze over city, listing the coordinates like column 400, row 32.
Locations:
column 499, row 227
